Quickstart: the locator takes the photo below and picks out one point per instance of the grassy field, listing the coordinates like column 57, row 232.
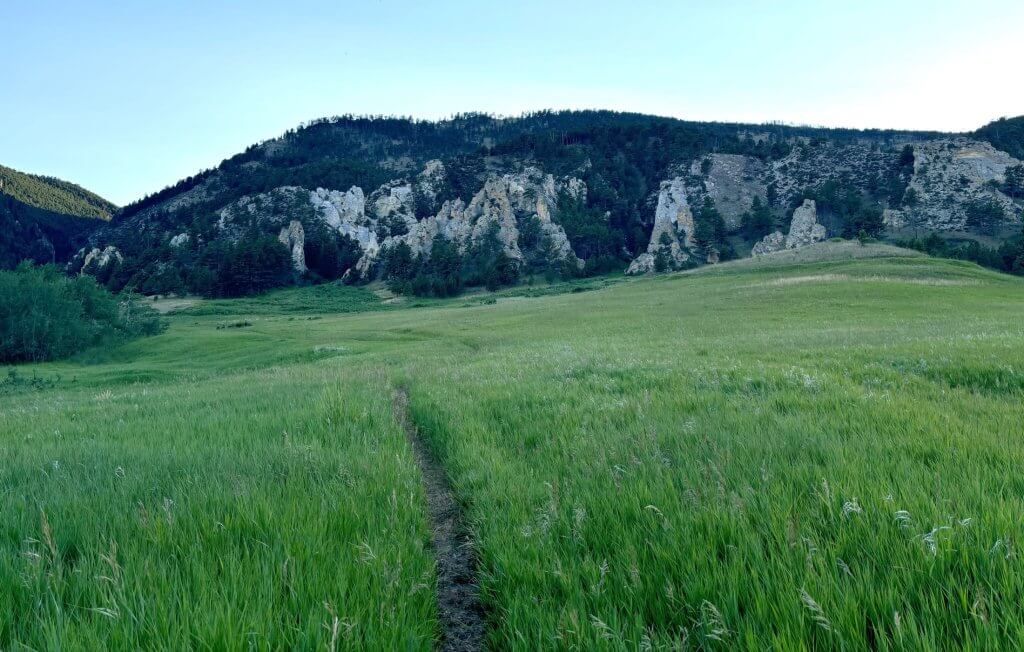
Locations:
column 819, row 454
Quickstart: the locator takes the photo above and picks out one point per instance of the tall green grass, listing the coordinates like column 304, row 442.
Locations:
column 815, row 455
column 272, row 509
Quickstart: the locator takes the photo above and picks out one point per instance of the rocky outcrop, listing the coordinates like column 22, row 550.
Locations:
column 769, row 244
column 642, row 264
column 346, row 213
column 100, row 258
column 394, row 199
column 803, row 230
column 293, row 236
column 388, row 215
column 500, row 207
column 672, row 233
column 491, row 209
column 950, row 174
column 732, row 182
column 937, row 183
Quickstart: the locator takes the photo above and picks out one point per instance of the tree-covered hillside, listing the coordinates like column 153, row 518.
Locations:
column 367, row 151
column 1006, row 134
column 45, row 220
column 402, row 186
column 54, row 195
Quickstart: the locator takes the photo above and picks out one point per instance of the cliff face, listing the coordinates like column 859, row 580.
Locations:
column 932, row 184
column 672, row 234
column 386, row 217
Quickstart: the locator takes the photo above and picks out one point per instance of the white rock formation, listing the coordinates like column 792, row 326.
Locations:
column 340, row 208
column 804, row 230
column 180, row 240
column 673, row 228
column 951, row 173
column 501, row 204
column 769, row 244
column 370, row 221
column 346, row 212
column 642, row 264
column 293, row 236
column 392, row 199
column 102, row 257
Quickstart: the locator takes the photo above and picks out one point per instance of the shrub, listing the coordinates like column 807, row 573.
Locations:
column 45, row 315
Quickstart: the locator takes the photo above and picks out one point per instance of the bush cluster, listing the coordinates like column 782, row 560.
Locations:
column 45, row 315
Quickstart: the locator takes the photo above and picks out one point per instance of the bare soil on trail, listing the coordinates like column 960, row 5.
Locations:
column 458, row 596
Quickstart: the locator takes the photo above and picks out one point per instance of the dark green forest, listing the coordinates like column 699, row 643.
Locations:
column 37, row 235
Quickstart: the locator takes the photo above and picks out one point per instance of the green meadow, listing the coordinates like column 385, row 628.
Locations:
column 814, row 454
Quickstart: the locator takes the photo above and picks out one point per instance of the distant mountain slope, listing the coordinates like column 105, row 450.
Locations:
column 54, row 195
column 546, row 194
column 45, row 220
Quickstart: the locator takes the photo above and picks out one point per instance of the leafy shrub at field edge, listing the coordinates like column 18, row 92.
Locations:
column 45, row 315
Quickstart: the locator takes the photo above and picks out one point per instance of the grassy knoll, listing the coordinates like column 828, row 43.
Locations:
column 818, row 455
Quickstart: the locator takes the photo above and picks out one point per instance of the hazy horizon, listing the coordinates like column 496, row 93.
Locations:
column 127, row 99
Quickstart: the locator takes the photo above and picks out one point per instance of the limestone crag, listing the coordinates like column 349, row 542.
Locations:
column 293, row 236
column 769, row 244
column 732, row 182
column 500, row 206
column 804, row 230
column 393, row 199
column 180, row 240
column 388, row 216
column 100, row 258
column 642, row 264
column 672, row 233
column 951, row 173
column 346, row 213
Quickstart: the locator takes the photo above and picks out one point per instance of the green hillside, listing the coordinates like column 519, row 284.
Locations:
column 822, row 454
column 54, row 195
column 45, row 220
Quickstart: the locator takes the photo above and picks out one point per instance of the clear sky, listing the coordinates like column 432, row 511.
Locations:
column 125, row 97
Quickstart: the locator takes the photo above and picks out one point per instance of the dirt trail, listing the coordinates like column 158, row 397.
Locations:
column 458, row 599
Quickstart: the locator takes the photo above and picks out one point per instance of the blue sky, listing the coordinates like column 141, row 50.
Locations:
column 127, row 97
